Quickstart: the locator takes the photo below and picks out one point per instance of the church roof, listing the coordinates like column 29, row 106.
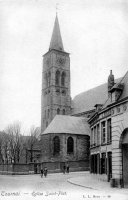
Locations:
column 56, row 40
column 86, row 101
column 68, row 124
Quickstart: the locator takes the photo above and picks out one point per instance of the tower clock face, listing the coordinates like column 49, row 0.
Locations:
column 60, row 61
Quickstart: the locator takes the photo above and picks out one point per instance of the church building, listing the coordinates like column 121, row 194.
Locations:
column 89, row 132
column 65, row 138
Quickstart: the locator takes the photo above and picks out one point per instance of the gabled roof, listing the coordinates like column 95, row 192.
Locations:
column 56, row 40
column 68, row 124
column 87, row 100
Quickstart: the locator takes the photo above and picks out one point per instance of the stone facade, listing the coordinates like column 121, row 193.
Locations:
column 78, row 153
column 68, row 145
column 109, row 137
column 55, row 82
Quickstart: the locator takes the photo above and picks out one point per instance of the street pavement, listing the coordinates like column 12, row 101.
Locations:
column 75, row 185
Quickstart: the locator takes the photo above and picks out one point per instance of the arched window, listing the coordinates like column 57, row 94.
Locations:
column 70, row 145
column 63, row 78
column 45, row 114
column 49, row 78
column 56, row 144
column 63, row 111
column 57, row 78
column 48, row 113
column 46, row 124
column 46, row 79
column 58, row 111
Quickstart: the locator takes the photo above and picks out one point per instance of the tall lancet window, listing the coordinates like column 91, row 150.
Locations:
column 70, row 145
column 56, row 144
column 57, row 78
column 49, row 78
column 63, row 78
column 46, row 80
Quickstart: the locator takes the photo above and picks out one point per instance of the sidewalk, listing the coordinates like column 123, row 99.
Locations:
column 88, row 181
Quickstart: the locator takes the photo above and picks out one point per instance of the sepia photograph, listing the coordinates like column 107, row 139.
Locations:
column 63, row 99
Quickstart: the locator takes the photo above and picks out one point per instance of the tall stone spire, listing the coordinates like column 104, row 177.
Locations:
column 56, row 40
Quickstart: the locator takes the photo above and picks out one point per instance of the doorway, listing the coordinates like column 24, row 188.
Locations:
column 124, row 145
column 125, row 164
column 109, row 166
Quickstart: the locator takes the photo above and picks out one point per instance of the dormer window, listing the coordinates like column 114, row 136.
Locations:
column 116, row 91
column 98, row 107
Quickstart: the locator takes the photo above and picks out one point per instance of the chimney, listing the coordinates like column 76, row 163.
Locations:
column 110, row 82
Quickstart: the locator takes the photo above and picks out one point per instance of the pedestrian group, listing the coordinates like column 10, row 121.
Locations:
column 44, row 172
column 66, row 168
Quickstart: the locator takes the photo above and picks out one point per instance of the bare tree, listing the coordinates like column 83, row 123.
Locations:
column 14, row 142
column 1, row 147
column 1, row 144
column 33, row 140
column 4, row 148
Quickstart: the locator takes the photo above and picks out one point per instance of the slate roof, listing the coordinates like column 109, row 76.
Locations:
column 87, row 100
column 56, row 40
column 68, row 124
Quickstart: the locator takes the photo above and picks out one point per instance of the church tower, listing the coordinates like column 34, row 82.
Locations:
column 55, row 80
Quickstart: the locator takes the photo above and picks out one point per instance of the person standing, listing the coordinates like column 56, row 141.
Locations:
column 64, row 169
column 42, row 171
column 67, row 167
column 45, row 172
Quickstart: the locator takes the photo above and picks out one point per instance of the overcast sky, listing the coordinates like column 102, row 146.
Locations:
column 94, row 32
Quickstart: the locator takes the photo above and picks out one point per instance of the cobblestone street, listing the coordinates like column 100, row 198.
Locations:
column 77, row 185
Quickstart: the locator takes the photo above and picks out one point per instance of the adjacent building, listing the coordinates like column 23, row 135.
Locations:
column 109, row 134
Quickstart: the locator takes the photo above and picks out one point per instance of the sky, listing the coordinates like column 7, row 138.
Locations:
column 94, row 32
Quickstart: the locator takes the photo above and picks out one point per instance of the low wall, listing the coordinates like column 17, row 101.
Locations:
column 6, row 169
column 34, row 168
column 54, row 167
column 20, row 169
column 14, row 169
